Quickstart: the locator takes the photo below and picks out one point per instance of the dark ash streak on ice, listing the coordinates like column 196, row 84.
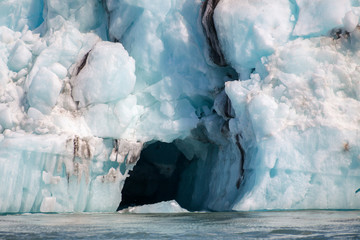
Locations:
column 83, row 63
column 207, row 21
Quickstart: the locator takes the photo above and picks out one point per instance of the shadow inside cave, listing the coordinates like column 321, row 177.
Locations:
column 156, row 177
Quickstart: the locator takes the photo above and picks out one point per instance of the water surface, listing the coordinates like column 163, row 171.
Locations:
column 229, row 225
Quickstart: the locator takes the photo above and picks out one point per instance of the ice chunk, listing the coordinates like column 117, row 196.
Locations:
column 320, row 16
column 161, row 207
column 44, row 90
column 5, row 117
column 119, row 117
column 20, row 57
column 248, row 30
column 59, row 70
column 350, row 21
column 85, row 15
column 108, row 75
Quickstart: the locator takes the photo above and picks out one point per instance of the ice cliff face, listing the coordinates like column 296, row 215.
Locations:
column 86, row 85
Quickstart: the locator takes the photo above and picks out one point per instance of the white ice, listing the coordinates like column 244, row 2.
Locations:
column 161, row 207
column 84, row 84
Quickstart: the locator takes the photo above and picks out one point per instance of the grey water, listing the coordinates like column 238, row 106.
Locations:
column 229, row 225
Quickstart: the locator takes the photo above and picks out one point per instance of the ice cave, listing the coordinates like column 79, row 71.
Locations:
column 156, row 176
column 179, row 105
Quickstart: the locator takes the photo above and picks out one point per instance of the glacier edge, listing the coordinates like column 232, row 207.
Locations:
column 77, row 111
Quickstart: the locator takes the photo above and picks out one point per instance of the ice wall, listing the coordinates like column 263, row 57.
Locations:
column 76, row 108
column 50, row 159
column 298, row 113
column 85, row 85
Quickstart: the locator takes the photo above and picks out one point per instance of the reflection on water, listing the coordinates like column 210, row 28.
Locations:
column 230, row 225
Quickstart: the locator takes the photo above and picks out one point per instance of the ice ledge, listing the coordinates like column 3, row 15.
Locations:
column 161, row 207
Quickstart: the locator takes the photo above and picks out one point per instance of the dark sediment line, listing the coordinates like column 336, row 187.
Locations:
column 83, row 63
column 242, row 160
column 207, row 21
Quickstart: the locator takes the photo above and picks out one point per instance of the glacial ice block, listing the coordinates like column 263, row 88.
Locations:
column 44, row 90
column 115, row 119
column 107, row 75
column 76, row 109
column 20, row 57
column 318, row 17
column 249, row 30
column 300, row 128
column 161, row 207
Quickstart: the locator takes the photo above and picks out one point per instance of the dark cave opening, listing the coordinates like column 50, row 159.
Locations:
column 155, row 177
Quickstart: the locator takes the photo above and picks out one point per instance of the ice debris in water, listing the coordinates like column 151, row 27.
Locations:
column 161, row 207
column 85, row 85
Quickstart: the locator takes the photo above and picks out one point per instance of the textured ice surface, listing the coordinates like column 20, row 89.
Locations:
column 321, row 16
column 298, row 118
column 19, row 14
column 75, row 108
column 107, row 75
column 248, row 30
column 174, row 83
column 84, row 84
column 302, row 134
column 161, row 207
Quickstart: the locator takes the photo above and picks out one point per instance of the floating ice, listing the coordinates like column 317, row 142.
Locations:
column 161, row 207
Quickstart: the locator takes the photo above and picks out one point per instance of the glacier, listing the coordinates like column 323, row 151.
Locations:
column 221, row 105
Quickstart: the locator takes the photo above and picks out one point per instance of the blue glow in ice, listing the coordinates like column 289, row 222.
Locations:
column 86, row 85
